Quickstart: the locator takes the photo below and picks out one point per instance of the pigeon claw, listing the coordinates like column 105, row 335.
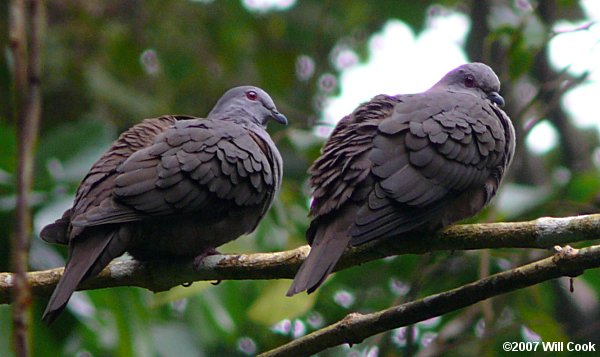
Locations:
column 207, row 252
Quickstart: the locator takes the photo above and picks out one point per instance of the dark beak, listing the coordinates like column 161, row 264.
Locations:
column 280, row 118
column 494, row 97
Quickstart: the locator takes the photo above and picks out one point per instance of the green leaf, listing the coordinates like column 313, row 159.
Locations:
column 273, row 306
column 535, row 306
column 5, row 336
column 110, row 89
column 584, row 187
column 76, row 145
column 179, row 292
column 8, row 147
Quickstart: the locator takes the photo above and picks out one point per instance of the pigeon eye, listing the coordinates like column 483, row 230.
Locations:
column 469, row 81
column 251, row 95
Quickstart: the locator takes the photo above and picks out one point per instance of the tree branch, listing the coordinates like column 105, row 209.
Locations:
column 355, row 327
column 163, row 275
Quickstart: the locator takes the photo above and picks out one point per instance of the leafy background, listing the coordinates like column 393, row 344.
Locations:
column 109, row 64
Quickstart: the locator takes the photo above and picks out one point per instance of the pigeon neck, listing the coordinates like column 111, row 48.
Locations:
column 238, row 115
column 453, row 88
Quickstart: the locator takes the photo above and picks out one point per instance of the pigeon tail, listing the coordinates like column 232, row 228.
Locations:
column 86, row 259
column 328, row 246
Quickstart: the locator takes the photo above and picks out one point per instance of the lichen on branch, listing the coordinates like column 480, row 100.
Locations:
column 163, row 275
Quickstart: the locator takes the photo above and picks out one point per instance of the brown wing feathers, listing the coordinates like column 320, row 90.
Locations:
column 408, row 162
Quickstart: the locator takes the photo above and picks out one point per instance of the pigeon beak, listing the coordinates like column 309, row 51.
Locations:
column 494, row 97
column 280, row 118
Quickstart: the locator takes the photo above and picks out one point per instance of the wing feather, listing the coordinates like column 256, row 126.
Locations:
column 188, row 167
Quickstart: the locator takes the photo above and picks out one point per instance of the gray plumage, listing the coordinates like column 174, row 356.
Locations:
column 407, row 162
column 172, row 187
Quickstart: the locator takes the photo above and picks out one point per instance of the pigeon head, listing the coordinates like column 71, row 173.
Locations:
column 247, row 103
column 474, row 78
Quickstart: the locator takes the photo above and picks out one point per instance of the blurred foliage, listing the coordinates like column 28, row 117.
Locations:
column 108, row 64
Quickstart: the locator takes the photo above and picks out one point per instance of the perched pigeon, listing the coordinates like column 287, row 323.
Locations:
column 407, row 162
column 174, row 186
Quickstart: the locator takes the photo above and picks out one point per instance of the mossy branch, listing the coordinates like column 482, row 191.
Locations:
column 162, row 275
column 354, row 328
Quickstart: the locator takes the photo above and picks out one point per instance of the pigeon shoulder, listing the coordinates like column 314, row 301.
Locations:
column 344, row 164
column 97, row 185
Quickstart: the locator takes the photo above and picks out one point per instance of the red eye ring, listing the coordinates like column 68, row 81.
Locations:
column 251, row 95
column 469, row 81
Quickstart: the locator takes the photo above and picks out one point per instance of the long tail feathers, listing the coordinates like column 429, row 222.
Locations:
column 327, row 248
column 85, row 257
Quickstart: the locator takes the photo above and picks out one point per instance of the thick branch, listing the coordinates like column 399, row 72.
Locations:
column 163, row 275
column 355, row 327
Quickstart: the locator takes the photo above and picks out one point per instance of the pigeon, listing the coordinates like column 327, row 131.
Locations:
column 172, row 187
column 407, row 163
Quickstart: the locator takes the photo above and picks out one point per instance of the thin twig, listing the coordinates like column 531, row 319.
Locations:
column 558, row 87
column 163, row 275
column 584, row 27
column 27, row 109
column 18, row 46
column 20, row 293
column 355, row 327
